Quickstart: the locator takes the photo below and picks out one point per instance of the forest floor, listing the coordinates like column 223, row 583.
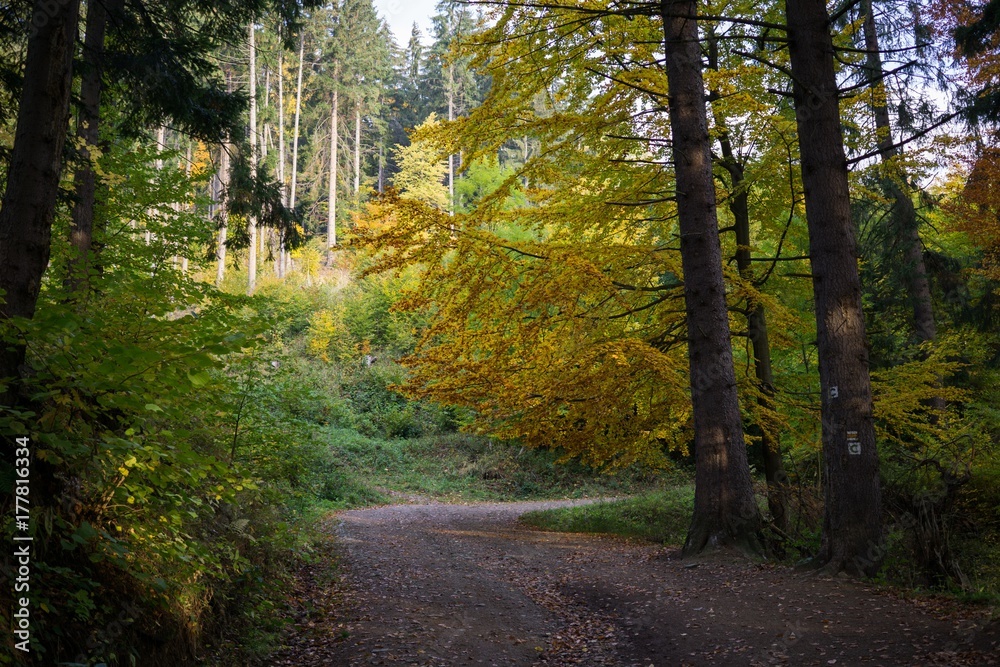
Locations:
column 445, row 584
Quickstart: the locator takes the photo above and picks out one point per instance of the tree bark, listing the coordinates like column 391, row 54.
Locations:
column 252, row 222
column 904, row 215
column 220, row 250
column 298, row 114
column 357, row 151
column 739, row 206
column 852, row 538
column 331, row 223
column 725, row 512
column 88, row 130
column 774, row 467
column 35, row 164
column 283, row 257
column 451, row 157
column 278, row 264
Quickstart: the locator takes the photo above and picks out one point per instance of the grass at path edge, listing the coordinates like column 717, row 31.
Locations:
column 659, row 516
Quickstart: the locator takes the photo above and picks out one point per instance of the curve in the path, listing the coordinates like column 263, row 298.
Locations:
column 441, row 584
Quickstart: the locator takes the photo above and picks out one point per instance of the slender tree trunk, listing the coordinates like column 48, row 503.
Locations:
column 88, row 131
column 187, row 173
column 220, row 250
column 357, row 151
column 725, row 512
column 739, row 206
column 265, row 127
column 451, row 158
column 904, row 216
column 298, row 114
column 252, row 222
column 774, row 467
column 852, row 528
column 381, row 168
column 279, row 257
column 33, row 170
column 283, row 256
column 281, row 125
column 331, row 223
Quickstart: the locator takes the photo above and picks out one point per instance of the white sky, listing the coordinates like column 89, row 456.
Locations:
column 400, row 15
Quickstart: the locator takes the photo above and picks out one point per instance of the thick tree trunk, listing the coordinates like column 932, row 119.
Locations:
column 904, row 215
column 852, row 528
column 252, row 222
column 29, row 202
column 725, row 512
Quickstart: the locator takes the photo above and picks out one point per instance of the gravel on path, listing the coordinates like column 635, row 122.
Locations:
column 444, row 584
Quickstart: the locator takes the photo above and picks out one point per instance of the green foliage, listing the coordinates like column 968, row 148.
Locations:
column 480, row 180
column 170, row 469
column 659, row 516
column 456, row 466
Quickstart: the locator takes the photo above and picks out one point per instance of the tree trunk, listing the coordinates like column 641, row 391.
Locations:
column 252, row 222
column 84, row 180
column 298, row 114
column 381, row 168
column 33, row 170
column 852, row 528
column 283, row 259
column 357, row 151
column 281, row 125
column 220, row 251
column 904, row 216
column 331, row 222
column 725, row 512
column 451, row 158
column 187, row 173
column 281, row 158
column 774, row 467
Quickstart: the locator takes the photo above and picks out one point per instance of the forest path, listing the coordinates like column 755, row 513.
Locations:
column 440, row 584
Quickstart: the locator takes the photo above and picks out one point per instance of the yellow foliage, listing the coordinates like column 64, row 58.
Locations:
column 309, row 259
column 328, row 337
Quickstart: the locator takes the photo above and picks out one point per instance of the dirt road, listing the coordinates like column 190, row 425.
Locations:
column 438, row 584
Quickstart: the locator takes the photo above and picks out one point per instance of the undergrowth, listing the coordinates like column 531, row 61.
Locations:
column 662, row 515
column 460, row 467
